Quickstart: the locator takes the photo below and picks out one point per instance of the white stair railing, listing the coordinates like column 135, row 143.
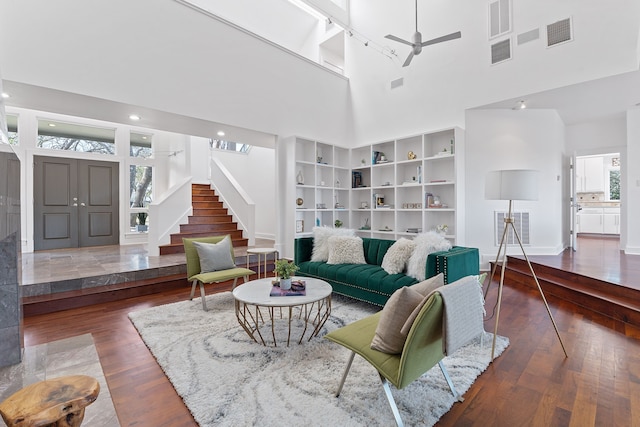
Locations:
column 167, row 213
column 240, row 205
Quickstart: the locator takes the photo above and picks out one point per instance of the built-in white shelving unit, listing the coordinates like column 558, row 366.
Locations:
column 323, row 181
column 386, row 190
column 408, row 185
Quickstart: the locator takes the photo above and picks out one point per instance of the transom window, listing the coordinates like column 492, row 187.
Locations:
column 220, row 144
column 140, row 145
column 56, row 135
column 12, row 127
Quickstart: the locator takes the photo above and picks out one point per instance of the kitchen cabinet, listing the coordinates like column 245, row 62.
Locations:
column 599, row 220
column 611, row 220
column 590, row 221
column 589, row 174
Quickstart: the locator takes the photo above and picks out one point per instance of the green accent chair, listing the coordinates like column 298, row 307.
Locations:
column 422, row 350
column 195, row 276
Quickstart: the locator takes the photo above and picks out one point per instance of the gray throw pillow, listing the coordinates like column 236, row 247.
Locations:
column 215, row 256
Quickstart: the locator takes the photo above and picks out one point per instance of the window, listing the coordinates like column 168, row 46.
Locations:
column 140, row 145
column 12, row 126
column 220, row 144
column 73, row 137
column 614, row 184
column 141, row 194
column 612, row 177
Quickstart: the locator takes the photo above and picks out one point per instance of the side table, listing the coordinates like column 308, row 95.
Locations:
column 262, row 253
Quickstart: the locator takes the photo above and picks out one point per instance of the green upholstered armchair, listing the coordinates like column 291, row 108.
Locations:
column 423, row 349
column 194, row 271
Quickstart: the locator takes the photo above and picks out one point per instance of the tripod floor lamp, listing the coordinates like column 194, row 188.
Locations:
column 517, row 184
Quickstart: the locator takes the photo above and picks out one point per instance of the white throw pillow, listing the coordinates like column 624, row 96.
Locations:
column 426, row 243
column 395, row 260
column 215, row 256
column 346, row 250
column 321, row 241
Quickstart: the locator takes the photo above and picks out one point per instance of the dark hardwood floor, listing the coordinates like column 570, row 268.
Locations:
column 530, row 384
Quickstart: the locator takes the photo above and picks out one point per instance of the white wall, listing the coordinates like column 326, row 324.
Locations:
column 506, row 139
column 170, row 58
column 447, row 78
column 631, row 191
column 597, row 137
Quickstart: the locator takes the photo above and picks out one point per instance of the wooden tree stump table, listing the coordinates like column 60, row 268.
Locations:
column 58, row 402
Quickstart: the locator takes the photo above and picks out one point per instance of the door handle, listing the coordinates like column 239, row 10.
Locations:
column 82, row 204
column 75, row 204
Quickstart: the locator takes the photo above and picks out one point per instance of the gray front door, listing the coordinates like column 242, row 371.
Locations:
column 75, row 203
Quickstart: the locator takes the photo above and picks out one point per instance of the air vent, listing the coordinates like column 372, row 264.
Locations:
column 529, row 36
column 397, row 83
column 499, row 17
column 501, row 51
column 559, row 32
column 521, row 224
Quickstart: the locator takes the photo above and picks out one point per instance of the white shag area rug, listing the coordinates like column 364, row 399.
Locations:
column 227, row 379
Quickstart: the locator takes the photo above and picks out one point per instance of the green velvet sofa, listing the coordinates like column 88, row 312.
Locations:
column 369, row 282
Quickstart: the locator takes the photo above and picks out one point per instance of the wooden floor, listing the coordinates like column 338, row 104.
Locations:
column 530, row 384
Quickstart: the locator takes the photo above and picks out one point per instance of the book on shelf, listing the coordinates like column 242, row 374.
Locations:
column 298, row 288
column 356, row 179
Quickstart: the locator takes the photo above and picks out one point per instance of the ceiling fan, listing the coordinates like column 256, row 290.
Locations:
column 418, row 44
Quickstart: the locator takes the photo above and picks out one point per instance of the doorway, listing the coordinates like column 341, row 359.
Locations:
column 76, row 203
column 597, row 196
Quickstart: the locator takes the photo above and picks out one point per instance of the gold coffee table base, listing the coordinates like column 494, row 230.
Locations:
column 313, row 314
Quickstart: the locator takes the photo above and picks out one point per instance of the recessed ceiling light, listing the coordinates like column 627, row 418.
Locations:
column 220, row 133
column 144, row 137
column 5, row 95
column 134, row 117
column 520, row 105
column 52, row 125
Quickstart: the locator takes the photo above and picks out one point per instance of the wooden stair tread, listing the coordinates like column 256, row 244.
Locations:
column 209, row 218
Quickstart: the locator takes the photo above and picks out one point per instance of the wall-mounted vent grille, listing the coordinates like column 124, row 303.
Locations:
column 501, row 51
column 397, row 83
column 559, row 32
column 521, row 223
column 499, row 17
column 529, row 36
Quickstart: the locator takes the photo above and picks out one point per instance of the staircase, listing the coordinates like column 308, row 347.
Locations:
column 612, row 300
column 210, row 218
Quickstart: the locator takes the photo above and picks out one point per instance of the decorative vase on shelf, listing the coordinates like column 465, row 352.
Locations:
column 300, row 177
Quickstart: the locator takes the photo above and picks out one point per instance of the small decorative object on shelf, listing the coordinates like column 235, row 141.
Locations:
column 300, row 177
column 338, row 223
column 411, row 155
column 366, row 225
column 285, row 269
column 299, row 201
column 337, row 183
column 300, row 226
column 442, row 228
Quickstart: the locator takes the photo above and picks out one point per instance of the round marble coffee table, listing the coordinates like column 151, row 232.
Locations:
column 252, row 298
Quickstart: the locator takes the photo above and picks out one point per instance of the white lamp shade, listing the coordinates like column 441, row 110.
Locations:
column 515, row 184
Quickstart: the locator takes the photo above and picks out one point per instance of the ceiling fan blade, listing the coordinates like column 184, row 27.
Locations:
column 397, row 39
column 448, row 37
column 408, row 60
